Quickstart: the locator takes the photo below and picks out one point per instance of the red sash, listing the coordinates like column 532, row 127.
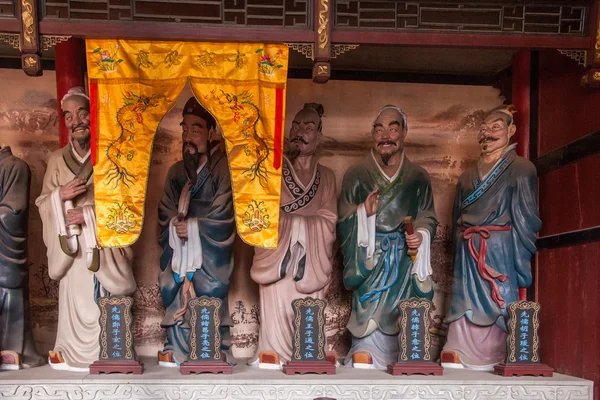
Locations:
column 485, row 271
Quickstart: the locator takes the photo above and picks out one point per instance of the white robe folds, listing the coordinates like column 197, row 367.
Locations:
column 306, row 230
column 78, row 327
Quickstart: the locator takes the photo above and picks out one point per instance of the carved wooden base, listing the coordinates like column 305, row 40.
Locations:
column 412, row 368
column 121, row 367
column 523, row 369
column 308, row 367
column 195, row 367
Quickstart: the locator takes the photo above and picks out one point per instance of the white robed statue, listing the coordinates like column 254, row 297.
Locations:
column 86, row 272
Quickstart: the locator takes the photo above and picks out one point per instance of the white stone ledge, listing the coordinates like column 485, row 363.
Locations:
column 247, row 383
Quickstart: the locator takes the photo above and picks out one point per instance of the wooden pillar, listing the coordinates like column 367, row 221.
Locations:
column 70, row 72
column 521, row 93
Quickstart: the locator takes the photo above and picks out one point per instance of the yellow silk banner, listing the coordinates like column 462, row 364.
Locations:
column 133, row 84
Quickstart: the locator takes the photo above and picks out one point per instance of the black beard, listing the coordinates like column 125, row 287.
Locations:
column 191, row 162
column 83, row 142
column 386, row 158
column 293, row 153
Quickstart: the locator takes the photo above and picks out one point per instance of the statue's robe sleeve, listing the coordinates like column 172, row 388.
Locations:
column 313, row 228
column 525, row 220
column 14, row 211
column 212, row 208
column 356, row 186
column 60, row 262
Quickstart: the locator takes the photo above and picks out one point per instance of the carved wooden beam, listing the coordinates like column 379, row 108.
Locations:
column 591, row 77
column 30, row 38
column 322, row 54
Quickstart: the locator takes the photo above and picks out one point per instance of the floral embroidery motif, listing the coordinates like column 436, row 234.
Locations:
column 108, row 58
column 256, row 217
column 267, row 65
column 143, row 59
column 172, row 58
column 130, row 119
column 121, row 219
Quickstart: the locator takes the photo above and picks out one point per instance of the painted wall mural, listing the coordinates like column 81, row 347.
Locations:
column 442, row 121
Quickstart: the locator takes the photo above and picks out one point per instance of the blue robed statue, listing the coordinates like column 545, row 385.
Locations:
column 197, row 230
column 377, row 194
column 495, row 225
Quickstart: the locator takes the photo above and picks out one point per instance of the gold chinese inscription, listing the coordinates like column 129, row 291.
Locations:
column 323, row 70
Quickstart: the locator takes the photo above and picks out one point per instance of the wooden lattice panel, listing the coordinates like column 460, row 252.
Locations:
column 498, row 17
column 7, row 9
column 276, row 13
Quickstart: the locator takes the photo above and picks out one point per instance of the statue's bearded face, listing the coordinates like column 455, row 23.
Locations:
column 495, row 133
column 195, row 135
column 388, row 133
column 305, row 133
column 76, row 111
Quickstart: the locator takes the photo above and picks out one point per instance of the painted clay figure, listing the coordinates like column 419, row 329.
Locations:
column 86, row 272
column 495, row 225
column 377, row 195
column 197, row 231
column 301, row 265
column 17, row 349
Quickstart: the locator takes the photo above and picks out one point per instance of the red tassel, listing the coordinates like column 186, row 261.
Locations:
column 278, row 132
column 93, row 120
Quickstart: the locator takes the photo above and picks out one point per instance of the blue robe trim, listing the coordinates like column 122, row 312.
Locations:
column 490, row 180
column 202, row 177
column 390, row 243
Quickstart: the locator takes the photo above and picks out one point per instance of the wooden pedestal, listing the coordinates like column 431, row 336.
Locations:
column 523, row 369
column 412, row 368
column 122, row 367
column 197, row 367
column 308, row 367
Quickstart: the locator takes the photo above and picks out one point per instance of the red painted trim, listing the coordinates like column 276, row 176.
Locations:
column 278, row 140
column 521, row 92
column 172, row 31
column 11, row 25
column 70, row 70
column 461, row 40
column 93, row 120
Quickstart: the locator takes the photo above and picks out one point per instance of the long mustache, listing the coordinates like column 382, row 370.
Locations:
column 488, row 139
column 192, row 144
column 299, row 139
column 78, row 126
column 384, row 142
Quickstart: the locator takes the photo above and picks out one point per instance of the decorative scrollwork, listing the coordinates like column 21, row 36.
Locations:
column 577, row 55
column 338, row 49
column 10, row 38
column 307, row 49
column 49, row 41
column 28, row 22
column 323, row 24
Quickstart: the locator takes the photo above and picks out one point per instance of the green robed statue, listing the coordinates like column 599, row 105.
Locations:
column 377, row 194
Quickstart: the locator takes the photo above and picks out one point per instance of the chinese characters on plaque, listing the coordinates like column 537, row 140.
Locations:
column 523, row 342
column 415, row 340
column 309, row 344
column 205, row 338
column 117, row 353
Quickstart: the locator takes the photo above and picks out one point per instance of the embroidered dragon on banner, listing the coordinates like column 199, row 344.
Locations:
column 130, row 119
column 244, row 109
